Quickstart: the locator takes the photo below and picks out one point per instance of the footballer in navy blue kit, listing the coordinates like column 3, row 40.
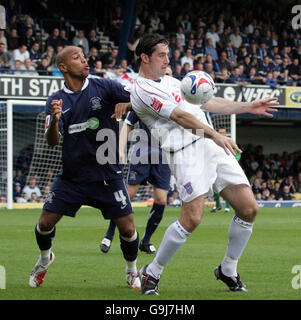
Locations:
column 83, row 112
column 151, row 168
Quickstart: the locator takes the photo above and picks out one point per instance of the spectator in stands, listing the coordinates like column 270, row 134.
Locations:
column 11, row 23
column 185, row 69
column 285, row 194
column 28, row 38
column 222, row 77
column 32, row 187
column 297, row 183
column 23, row 199
column 177, row 72
column 28, row 69
column 13, row 40
column 236, row 38
column 209, row 49
column 188, row 58
column 288, row 181
column 176, row 59
column 44, row 67
column 231, row 53
column 93, row 40
column 33, row 198
column 276, row 191
column 295, row 71
column 54, row 39
column 237, row 77
column 199, row 48
column 25, row 24
column 155, row 20
column 253, row 50
column 267, row 39
column 210, row 70
column 16, row 68
column 3, row 38
column 256, row 186
column 224, row 62
column 93, row 57
column 98, row 70
column 55, row 71
column 181, row 36
column 49, row 54
column 35, row 54
column 269, row 80
column 81, row 40
column 297, row 53
column 212, row 34
column 20, row 54
column 5, row 58
column 242, row 53
column 262, row 51
column 265, row 67
column 17, row 191
column 63, row 39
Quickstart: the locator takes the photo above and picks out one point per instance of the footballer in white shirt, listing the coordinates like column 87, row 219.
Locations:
column 199, row 158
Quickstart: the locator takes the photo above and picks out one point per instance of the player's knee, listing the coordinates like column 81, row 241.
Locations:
column 161, row 202
column 127, row 231
column 45, row 225
column 249, row 213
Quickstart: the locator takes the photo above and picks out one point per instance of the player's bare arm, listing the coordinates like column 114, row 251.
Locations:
column 123, row 137
column 120, row 109
column 188, row 121
column 53, row 134
column 224, row 106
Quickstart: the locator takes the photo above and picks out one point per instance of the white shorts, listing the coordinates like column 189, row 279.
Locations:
column 204, row 166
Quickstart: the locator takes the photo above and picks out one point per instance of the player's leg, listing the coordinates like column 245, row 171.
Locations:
column 129, row 240
column 106, row 242
column 227, row 207
column 61, row 199
column 44, row 233
column 217, row 206
column 242, row 200
column 174, row 238
column 154, row 219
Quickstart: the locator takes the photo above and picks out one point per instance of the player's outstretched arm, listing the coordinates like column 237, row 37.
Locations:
column 224, row 106
column 53, row 134
column 188, row 121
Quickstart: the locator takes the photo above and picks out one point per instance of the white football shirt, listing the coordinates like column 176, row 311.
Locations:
column 154, row 101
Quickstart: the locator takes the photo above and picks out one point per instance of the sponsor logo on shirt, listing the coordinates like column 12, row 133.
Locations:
column 157, row 104
column 92, row 123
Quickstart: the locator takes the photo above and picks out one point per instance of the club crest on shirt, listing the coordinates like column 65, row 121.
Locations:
column 95, row 103
column 188, row 188
column 133, row 175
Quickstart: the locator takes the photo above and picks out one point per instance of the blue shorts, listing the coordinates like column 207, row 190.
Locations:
column 156, row 174
column 110, row 197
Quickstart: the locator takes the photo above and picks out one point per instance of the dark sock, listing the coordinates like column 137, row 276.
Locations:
column 44, row 241
column 154, row 218
column 129, row 249
column 111, row 230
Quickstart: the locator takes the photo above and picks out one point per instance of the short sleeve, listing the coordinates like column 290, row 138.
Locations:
column 154, row 99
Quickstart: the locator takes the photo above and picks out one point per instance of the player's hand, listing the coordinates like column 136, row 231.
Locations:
column 263, row 106
column 120, row 109
column 226, row 143
column 56, row 109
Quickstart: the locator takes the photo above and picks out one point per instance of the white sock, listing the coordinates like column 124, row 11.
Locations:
column 239, row 234
column 131, row 266
column 45, row 256
column 175, row 236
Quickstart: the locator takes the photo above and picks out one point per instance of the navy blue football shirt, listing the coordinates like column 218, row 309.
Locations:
column 84, row 114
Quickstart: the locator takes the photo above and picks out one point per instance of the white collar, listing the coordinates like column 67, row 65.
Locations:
column 83, row 87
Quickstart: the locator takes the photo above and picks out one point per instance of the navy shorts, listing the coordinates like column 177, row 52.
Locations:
column 109, row 196
column 156, row 174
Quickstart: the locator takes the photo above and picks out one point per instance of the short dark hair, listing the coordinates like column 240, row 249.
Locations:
column 148, row 43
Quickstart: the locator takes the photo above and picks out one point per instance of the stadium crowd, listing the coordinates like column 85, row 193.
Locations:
column 228, row 41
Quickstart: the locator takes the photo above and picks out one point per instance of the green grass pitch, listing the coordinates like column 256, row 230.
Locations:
column 82, row 272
